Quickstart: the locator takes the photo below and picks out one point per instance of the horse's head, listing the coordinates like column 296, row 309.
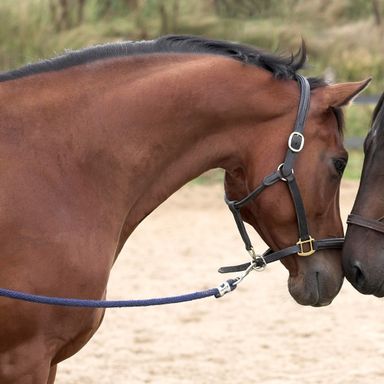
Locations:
column 318, row 167
column 363, row 254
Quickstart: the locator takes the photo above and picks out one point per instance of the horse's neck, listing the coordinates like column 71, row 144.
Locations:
column 179, row 122
column 172, row 124
column 140, row 138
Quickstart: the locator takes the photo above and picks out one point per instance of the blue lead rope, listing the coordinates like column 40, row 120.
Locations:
column 220, row 291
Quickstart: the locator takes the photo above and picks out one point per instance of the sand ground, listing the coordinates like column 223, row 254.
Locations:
column 257, row 334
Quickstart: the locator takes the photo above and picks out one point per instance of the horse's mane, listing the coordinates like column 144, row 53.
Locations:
column 283, row 67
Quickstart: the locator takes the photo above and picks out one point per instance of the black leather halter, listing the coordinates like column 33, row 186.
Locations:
column 306, row 245
column 375, row 225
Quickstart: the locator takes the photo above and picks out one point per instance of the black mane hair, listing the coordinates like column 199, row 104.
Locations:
column 283, row 67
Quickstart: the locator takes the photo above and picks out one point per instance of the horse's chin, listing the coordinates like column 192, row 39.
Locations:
column 312, row 290
column 378, row 286
column 380, row 292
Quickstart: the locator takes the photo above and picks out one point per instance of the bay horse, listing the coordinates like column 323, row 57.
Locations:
column 363, row 256
column 92, row 141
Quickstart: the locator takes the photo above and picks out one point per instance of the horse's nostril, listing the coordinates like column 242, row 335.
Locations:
column 359, row 276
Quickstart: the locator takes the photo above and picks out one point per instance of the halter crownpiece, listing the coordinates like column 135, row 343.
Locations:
column 306, row 245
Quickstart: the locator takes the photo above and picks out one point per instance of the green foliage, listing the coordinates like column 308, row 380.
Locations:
column 23, row 28
column 254, row 8
column 357, row 9
column 354, row 166
column 358, row 120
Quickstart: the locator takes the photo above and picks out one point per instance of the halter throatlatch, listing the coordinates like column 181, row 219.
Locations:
column 306, row 245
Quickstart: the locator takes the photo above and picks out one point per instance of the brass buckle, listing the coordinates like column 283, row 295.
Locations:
column 310, row 245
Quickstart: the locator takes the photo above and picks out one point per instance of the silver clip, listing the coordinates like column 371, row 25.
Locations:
column 259, row 263
column 240, row 278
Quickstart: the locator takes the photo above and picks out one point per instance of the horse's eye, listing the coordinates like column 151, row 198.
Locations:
column 340, row 165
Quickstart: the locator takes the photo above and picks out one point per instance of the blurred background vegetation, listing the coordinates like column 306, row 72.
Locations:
column 345, row 38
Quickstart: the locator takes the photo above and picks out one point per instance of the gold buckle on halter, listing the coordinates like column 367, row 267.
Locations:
column 310, row 245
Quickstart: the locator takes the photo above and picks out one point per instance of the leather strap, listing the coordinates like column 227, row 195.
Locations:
column 302, row 112
column 361, row 221
column 235, row 206
column 299, row 208
column 271, row 256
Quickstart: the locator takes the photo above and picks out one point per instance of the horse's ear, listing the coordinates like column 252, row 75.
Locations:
column 339, row 95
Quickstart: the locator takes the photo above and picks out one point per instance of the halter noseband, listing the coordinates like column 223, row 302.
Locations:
column 375, row 225
column 306, row 245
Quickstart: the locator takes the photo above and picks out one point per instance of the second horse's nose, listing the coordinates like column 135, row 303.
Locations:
column 358, row 278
